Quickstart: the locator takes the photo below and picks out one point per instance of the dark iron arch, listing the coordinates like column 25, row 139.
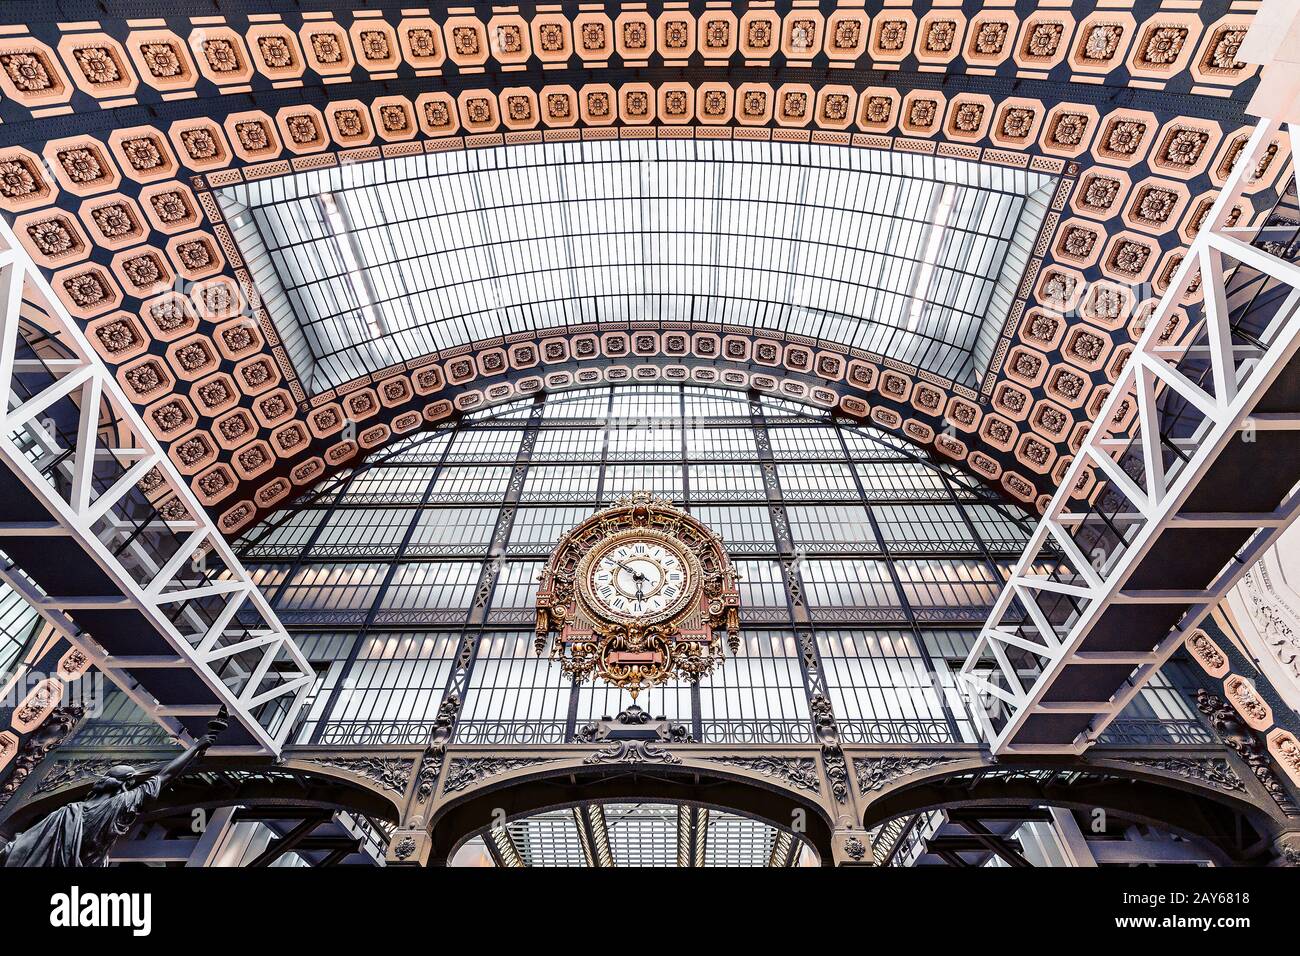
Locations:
column 214, row 787
column 460, row 820
column 1238, row 828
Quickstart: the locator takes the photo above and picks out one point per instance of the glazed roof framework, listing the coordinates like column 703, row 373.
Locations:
column 912, row 257
column 116, row 132
column 640, row 834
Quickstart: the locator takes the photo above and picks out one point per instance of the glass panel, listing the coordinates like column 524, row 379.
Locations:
column 758, row 695
column 890, row 653
column 514, row 697
column 903, row 255
column 881, row 688
column 392, row 692
column 443, row 584
column 562, row 483
column 452, row 530
column 832, row 528
column 744, row 529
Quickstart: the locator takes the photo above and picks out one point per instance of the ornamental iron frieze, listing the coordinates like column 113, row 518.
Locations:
column 828, row 734
column 1247, row 745
column 632, row 737
column 855, row 849
column 404, row 847
column 875, row 773
column 389, row 773
column 1287, row 849
column 1212, row 771
column 45, row 739
column 632, row 751
column 431, row 763
column 633, row 722
column 799, row 773
column 466, row 772
column 638, row 594
column 427, row 777
column 67, row 773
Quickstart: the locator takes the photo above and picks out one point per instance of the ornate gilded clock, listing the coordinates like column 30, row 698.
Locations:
column 637, row 594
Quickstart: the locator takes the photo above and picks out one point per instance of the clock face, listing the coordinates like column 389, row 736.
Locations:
column 640, row 578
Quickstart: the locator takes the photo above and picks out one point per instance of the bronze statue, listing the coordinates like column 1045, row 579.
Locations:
column 82, row 833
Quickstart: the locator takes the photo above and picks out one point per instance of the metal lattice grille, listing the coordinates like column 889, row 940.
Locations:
column 904, row 255
column 894, row 554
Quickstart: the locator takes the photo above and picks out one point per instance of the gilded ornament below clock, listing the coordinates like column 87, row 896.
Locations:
column 639, row 593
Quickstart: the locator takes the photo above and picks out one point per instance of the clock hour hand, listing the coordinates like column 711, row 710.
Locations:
column 636, row 575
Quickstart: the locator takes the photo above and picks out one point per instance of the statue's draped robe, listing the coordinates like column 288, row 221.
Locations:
column 81, row 834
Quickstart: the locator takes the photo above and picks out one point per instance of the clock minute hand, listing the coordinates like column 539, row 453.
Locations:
column 636, row 575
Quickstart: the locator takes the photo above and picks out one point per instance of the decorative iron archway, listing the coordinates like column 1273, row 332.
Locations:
column 1203, row 798
column 458, row 820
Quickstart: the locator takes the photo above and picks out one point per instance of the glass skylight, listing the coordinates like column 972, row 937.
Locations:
column 915, row 258
column 640, row 834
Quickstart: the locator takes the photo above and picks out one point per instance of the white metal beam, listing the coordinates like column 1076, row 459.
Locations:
column 1237, row 379
column 75, row 382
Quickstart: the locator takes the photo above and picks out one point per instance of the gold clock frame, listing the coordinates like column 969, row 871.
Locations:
column 679, row 608
column 629, row 652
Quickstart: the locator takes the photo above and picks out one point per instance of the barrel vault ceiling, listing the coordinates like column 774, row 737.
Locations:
column 118, row 137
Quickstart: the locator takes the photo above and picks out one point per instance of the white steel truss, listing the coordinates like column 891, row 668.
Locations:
column 110, row 545
column 1188, row 496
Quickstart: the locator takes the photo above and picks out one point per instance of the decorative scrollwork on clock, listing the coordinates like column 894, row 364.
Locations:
column 637, row 594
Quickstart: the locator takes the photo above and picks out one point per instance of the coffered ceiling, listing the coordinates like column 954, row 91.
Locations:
column 298, row 230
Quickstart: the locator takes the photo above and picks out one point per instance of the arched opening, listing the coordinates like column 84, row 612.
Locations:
column 489, row 809
column 227, row 815
column 1034, row 835
column 634, row 834
column 1108, row 799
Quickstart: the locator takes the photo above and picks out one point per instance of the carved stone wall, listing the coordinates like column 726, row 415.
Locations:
column 1265, row 608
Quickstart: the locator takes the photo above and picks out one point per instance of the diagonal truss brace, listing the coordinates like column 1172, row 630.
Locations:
column 244, row 668
column 1238, row 377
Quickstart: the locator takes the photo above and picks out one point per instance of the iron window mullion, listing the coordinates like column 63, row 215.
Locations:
column 898, row 588
column 346, row 671
column 571, row 724
column 476, row 624
column 697, row 718
column 810, row 666
column 978, row 538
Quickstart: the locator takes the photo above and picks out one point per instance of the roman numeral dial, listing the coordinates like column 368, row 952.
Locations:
column 639, row 578
column 639, row 593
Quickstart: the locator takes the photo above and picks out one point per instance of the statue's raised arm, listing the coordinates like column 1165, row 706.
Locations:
column 82, row 833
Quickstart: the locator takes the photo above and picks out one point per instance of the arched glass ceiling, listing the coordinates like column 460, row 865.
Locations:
column 637, row 835
column 916, row 258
